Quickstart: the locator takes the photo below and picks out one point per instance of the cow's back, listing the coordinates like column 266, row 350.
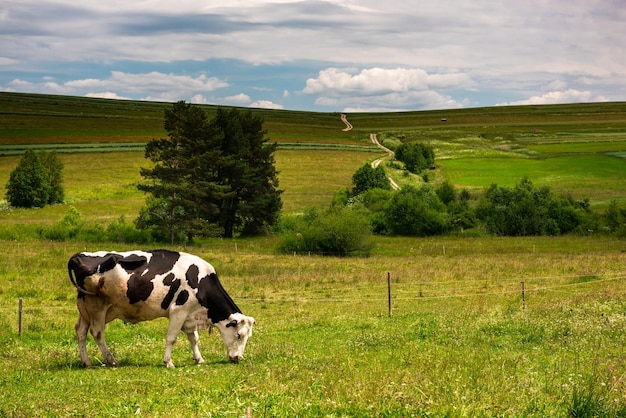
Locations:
column 139, row 285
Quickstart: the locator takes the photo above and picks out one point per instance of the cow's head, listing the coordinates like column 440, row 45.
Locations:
column 236, row 330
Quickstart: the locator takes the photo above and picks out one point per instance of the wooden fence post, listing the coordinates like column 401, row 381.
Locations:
column 389, row 292
column 19, row 320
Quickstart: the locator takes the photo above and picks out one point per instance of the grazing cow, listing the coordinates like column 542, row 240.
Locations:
column 140, row 286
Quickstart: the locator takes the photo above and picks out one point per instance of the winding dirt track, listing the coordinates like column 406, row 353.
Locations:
column 344, row 119
column 377, row 162
column 373, row 138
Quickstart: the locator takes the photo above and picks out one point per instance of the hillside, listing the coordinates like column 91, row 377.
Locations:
column 578, row 149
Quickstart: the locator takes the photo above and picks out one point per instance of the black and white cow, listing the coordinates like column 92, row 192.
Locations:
column 140, row 286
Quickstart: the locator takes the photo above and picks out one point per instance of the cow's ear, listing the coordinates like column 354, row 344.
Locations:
column 232, row 323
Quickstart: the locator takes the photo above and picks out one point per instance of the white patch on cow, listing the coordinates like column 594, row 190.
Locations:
column 235, row 333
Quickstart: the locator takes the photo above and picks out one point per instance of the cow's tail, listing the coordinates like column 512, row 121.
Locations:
column 73, row 280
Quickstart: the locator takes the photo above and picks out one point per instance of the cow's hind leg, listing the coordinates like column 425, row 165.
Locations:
column 98, row 322
column 82, row 326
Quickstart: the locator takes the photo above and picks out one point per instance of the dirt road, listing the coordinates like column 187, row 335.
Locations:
column 344, row 119
column 375, row 163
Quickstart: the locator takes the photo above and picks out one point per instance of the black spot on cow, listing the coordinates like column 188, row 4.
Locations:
column 108, row 263
column 174, row 284
column 192, row 276
column 182, row 298
column 132, row 262
column 212, row 296
column 140, row 284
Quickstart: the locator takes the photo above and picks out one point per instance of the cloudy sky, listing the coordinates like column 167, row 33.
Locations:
column 320, row 55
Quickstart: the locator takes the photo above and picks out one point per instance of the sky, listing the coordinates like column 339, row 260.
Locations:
column 320, row 55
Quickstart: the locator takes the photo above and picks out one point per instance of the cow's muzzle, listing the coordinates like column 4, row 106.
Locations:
column 235, row 359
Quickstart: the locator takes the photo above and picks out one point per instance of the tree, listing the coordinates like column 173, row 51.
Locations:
column 416, row 212
column 182, row 181
column 247, row 170
column 526, row 210
column 415, row 156
column 36, row 181
column 367, row 177
column 209, row 176
column 54, row 168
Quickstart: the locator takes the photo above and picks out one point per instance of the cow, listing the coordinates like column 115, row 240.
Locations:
column 137, row 286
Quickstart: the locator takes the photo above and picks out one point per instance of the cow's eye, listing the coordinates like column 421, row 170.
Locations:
column 238, row 336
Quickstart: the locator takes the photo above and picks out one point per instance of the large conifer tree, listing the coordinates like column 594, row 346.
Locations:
column 209, row 177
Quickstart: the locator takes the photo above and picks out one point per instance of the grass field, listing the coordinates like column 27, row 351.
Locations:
column 462, row 341
column 598, row 177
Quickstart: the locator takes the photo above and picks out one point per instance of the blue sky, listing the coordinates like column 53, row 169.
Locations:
column 323, row 55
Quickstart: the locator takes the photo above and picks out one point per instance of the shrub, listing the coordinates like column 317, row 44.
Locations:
column 416, row 212
column 67, row 228
column 416, row 156
column 72, row 227
column 340, row 232
column 36, row 181
column 367, row 177
column 525, row 210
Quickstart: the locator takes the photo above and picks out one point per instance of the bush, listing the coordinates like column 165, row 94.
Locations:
column 67, row 228
column 416, row 156
column 340, row 232
column 36, row 181
column 416, row 212
column 367, row 177
column 525, row 210
column 72, row 227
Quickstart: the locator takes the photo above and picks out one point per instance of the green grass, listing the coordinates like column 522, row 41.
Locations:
column 597, row 177
column 593, row 147
column 458, row 343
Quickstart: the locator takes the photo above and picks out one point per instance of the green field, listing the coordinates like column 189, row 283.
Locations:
column 462, row 340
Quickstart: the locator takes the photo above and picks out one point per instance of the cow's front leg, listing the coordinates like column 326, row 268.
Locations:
column 190, row 328
column 82, row 327
column 176, row 323
column 193, row 340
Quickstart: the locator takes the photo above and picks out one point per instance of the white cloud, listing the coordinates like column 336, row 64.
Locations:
column 240, row 98
column 198, row 99
column 266, row 104
column 393, row 89
column 8, row 61
column 145, row 86
column 554, row 97
column 107, row 95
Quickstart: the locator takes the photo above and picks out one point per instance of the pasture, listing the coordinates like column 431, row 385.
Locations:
column 462, row 340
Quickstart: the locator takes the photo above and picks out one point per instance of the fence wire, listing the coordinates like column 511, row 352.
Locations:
column 418, row 291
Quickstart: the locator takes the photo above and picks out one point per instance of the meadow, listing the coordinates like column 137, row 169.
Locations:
column 461, row 341
column 488, row 326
